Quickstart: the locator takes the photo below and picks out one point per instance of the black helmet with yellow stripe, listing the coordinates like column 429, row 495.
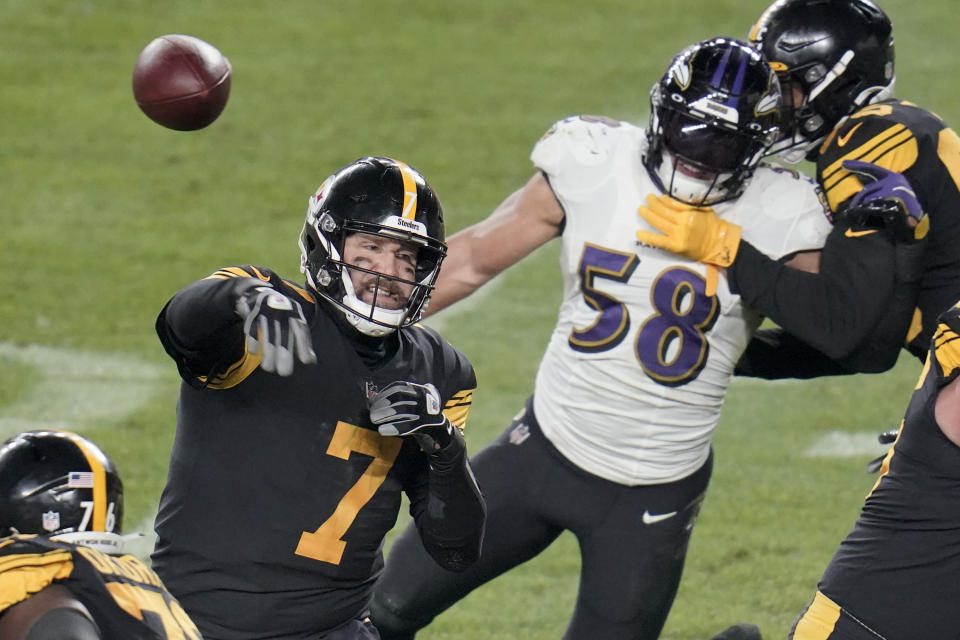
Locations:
column 60, row 484
column 380, row 197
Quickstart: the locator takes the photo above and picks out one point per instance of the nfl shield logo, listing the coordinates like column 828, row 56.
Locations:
column 51, row 520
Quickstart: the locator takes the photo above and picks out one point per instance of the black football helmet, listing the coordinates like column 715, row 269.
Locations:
column 60, row 484
column 377, row 196
column 832, row 57
column 713, row 115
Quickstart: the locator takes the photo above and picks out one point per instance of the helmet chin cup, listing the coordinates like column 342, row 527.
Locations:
column 367, row 319
column 365, row 326
column 687, row 188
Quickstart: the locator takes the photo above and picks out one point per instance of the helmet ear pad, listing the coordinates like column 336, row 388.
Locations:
column 713, row 115
column 380, row 197
column 57, row 481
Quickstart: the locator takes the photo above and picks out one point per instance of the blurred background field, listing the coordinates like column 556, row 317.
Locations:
column 105, row 214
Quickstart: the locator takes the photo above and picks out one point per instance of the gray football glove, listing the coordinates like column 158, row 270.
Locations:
column 407, row 408
column 275, row 327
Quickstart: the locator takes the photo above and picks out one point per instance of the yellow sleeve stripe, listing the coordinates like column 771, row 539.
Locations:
column 303, row 293
column 237, row 373
column 229, row 272
column 819, row 620
column 869, row 151
column 946, row 344
column 458, row 407
column 22, row 575
column 237, row 272
column 895, row 149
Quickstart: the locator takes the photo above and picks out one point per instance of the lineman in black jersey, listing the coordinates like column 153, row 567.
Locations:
column 884, row 275
column 895, row 575
column 63, row 572
column 284, row 477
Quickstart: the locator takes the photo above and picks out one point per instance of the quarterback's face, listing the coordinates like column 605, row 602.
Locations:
column 385, row 256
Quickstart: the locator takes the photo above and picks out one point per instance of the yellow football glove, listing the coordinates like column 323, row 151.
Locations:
column 697, row 233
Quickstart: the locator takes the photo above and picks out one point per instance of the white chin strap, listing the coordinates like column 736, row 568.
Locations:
column 361, row 319
column 795, row 149
column 687, row 188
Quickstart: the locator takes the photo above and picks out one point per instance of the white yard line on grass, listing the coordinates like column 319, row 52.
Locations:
column 75, row 389
column 841, row 444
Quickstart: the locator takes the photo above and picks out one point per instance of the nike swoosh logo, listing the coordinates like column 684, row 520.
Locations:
column 793, row 47
column 850, row 233
column 649, row 518
column 844, row 139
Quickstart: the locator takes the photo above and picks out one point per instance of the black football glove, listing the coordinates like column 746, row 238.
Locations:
column 888, row 201
column 411, row 409
column 886, row 437
column 275, row 327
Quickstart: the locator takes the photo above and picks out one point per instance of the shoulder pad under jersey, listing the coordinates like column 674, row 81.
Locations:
column 578, row 141
column 782, row 211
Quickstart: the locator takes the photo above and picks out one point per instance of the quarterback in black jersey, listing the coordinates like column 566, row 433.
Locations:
column 307, row 410
column 887, row 270
column 63, row 572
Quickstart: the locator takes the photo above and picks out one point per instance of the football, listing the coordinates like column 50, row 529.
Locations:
column 181, row 82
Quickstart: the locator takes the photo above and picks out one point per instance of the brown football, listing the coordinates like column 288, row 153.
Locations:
column 181, row 82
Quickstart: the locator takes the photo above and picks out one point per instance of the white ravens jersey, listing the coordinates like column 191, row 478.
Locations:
column 634, row 376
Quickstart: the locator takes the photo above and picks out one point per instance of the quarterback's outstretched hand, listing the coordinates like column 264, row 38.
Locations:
column 697, row 233
column 891, row 196
column 407, row 408
column 275, row 327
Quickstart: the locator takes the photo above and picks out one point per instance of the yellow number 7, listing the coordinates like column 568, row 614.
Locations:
column 326, row 543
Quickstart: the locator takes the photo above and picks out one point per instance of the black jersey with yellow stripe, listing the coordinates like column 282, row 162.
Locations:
column 124, row 596
column 915, row 142
column 280, row 490
column 897, row 570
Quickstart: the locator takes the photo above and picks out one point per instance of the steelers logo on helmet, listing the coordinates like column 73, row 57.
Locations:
column 60, row 484
column 380, row 197
column 713, row 115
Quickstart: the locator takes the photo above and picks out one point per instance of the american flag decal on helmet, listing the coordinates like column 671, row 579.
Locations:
column 80, row 479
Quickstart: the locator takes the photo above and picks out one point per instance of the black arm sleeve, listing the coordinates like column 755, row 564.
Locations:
column 53, row 613
column 834, row 310
column 774, row 354
column 449, row 509
column 64, row 624
column 200, row 329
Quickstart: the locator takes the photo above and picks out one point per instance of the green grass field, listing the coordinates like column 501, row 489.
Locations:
column 106, row 214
